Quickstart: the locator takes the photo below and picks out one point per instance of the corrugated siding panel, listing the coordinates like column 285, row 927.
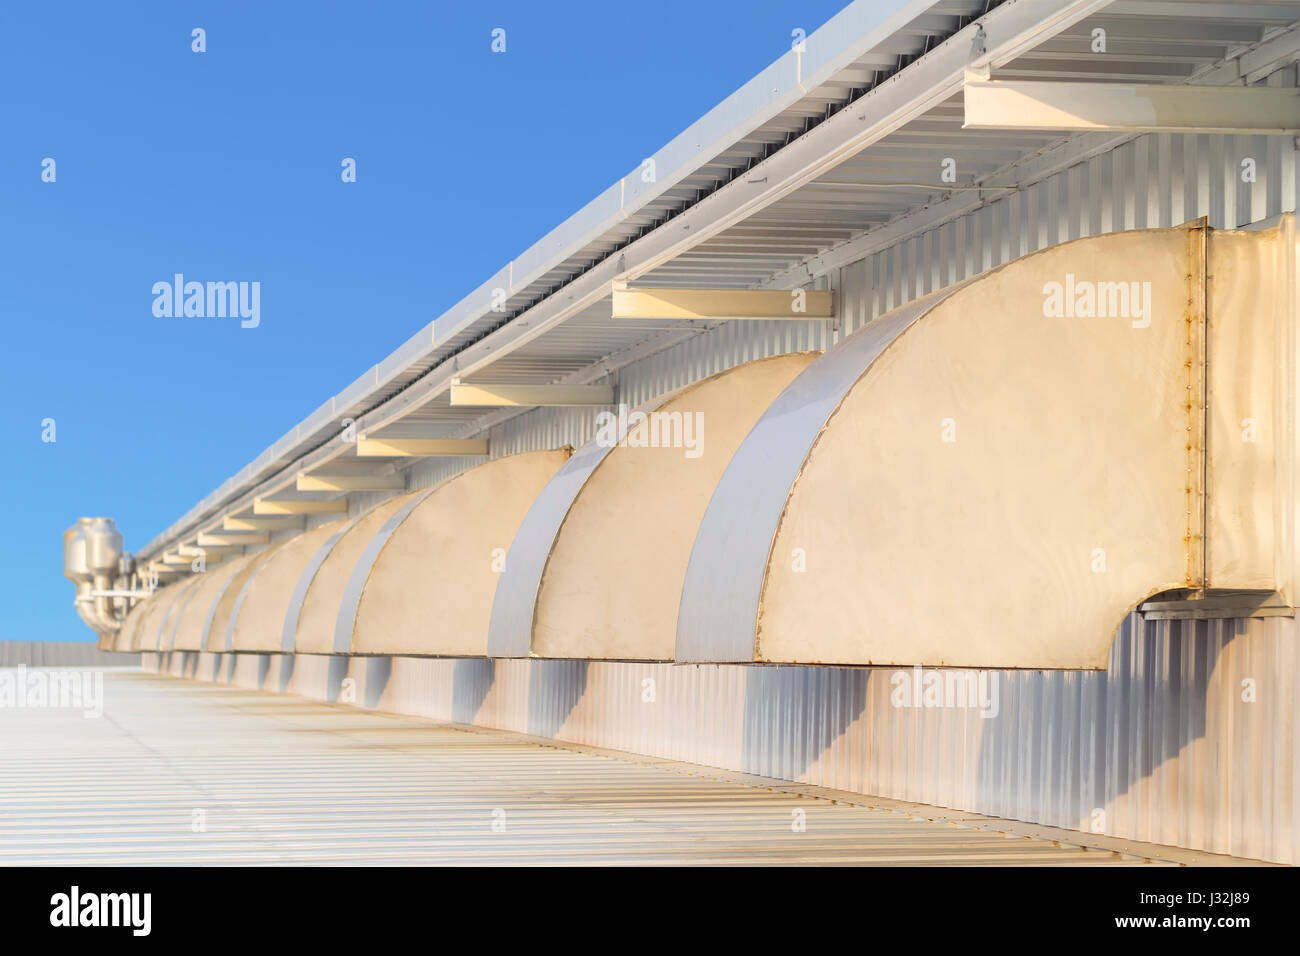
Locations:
column 1161, row 747
column 1153, row 181
column 62, row 654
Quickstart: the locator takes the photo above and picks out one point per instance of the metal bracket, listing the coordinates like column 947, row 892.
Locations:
column 1214, row 604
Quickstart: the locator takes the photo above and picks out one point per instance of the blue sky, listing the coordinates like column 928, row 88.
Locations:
column 225, row 165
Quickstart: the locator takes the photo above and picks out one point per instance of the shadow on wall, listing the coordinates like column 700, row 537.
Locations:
column 378, row 671
column 334, row 677
column 1077, row 740
column 794, row 714
column 554, row 689
column 1057, row 745
column 472, row 680
column 287, row 662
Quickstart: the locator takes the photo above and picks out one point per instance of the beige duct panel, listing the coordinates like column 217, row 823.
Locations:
column 1247, row 329
column 198, row 609
column 1059, row 506
column 995, row 480
column 225, row 608
column 320, row 607
column 259, row 625
column 145, row 637
column 155, row 634
column 167, row 634
column 126, row 633
column 614, row 577
column 142, row 613
column 430, row 589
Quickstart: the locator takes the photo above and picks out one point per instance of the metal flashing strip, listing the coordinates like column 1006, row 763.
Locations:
column 290, row 630
column 513, row 610
column 351, row 597
column 239, row 603
column 719, row 610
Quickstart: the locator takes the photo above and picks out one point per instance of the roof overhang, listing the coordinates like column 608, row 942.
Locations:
column 813, row 164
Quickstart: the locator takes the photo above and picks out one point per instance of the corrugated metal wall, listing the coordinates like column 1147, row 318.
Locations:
column 1189, row 738
column 1153, row 181
column 62, row 654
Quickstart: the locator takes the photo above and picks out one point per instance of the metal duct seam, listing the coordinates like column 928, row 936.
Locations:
column 819, row 546
column 511, row 629
column 612, row 585
column 290, row 631
column 191, row 631
column 182, row 587
column 431, row 587
column 718, row 610
column 194, row 587
column 357, row 580
column 239, row 604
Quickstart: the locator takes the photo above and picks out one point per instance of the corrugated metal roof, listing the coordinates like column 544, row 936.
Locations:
column 281, row 779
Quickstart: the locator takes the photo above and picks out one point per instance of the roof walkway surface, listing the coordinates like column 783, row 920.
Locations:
column 179, row 772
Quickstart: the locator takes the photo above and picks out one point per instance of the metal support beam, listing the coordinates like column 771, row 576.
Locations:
column 1026, row 171
column 320, row 482
column 722, row 304
column 118, row 593
column 232, row 523
column 264, row 506
column 207, row 540
column 210, row 552
column 419, row 447
column 498, row 396
column 183, row 561
column 1123, row 107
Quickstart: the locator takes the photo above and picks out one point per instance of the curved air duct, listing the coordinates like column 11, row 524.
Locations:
column 257, row 618
column 124, row 639
column 153, row 615
column 194, row 617
column 991, row 476
column 218, row 634
column 397, row 579
column 597, row 566
column 310, row 621
column 424, row 584
column 995, row 475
